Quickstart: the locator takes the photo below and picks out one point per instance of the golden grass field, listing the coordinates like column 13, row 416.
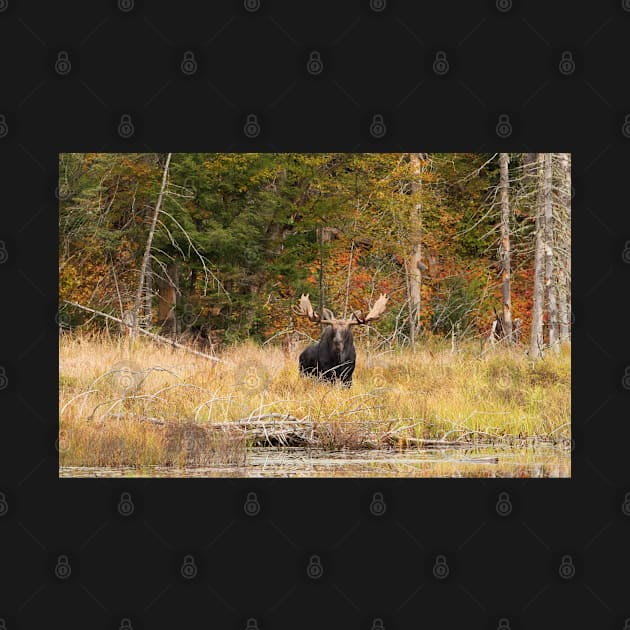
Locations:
column 106, row 390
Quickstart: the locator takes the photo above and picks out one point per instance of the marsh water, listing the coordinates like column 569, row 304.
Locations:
column 538, row 461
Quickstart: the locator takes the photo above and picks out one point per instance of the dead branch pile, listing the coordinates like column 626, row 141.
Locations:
column 272, row 429
column 278, row 429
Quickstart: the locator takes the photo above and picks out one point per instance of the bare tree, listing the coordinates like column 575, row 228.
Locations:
column 504, row 246
column 148, row 298
column 550, row 284
column 415, row 267
column 147, row 251
column 563, row 246
column 536, row 339
column 168, row 288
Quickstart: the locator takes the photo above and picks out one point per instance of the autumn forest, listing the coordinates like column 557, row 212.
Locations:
column 457, row 240
column 440, row 284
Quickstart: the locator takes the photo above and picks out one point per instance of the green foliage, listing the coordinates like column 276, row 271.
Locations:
column 456, row 306
column 243, row 232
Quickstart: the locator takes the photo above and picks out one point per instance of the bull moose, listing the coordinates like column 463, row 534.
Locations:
column 333, row 357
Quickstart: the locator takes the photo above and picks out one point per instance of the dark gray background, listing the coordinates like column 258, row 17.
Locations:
column 376, row 59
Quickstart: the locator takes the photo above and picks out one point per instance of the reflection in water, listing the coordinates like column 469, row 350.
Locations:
column 542, row 461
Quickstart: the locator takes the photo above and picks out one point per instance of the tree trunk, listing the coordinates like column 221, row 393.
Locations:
column 320, row 234
column 536, row 340
column 550, row 284
column 415, row 266
column 147, row 251
column 504, row 247
column 148, row 298
column 168, row 288
column 564, row 233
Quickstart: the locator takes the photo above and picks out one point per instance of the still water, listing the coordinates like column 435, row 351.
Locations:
column 541, row 461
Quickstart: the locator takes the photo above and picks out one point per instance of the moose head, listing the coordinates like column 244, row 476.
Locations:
column 333, row 357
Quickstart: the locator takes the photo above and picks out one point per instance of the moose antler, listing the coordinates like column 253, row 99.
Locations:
column 305, row 309
column 377, row 310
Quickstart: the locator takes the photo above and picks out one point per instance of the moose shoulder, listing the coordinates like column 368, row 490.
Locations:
column 333, row 357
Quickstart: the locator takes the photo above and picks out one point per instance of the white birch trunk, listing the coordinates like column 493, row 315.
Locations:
column 536, row 338
column 147, row 252
column 564, row 235
column 504, row 246
column 550, row 284
column 414, row 269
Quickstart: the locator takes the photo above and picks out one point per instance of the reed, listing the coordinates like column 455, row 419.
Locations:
column 160, row 406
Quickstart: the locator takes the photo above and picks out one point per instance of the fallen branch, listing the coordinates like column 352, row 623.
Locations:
column 159, row 338
column 282, row 416
column 394, row 439
column 393, row 432
column 282, row 430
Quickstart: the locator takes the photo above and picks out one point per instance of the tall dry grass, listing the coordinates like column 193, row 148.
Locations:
column 105, row 390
